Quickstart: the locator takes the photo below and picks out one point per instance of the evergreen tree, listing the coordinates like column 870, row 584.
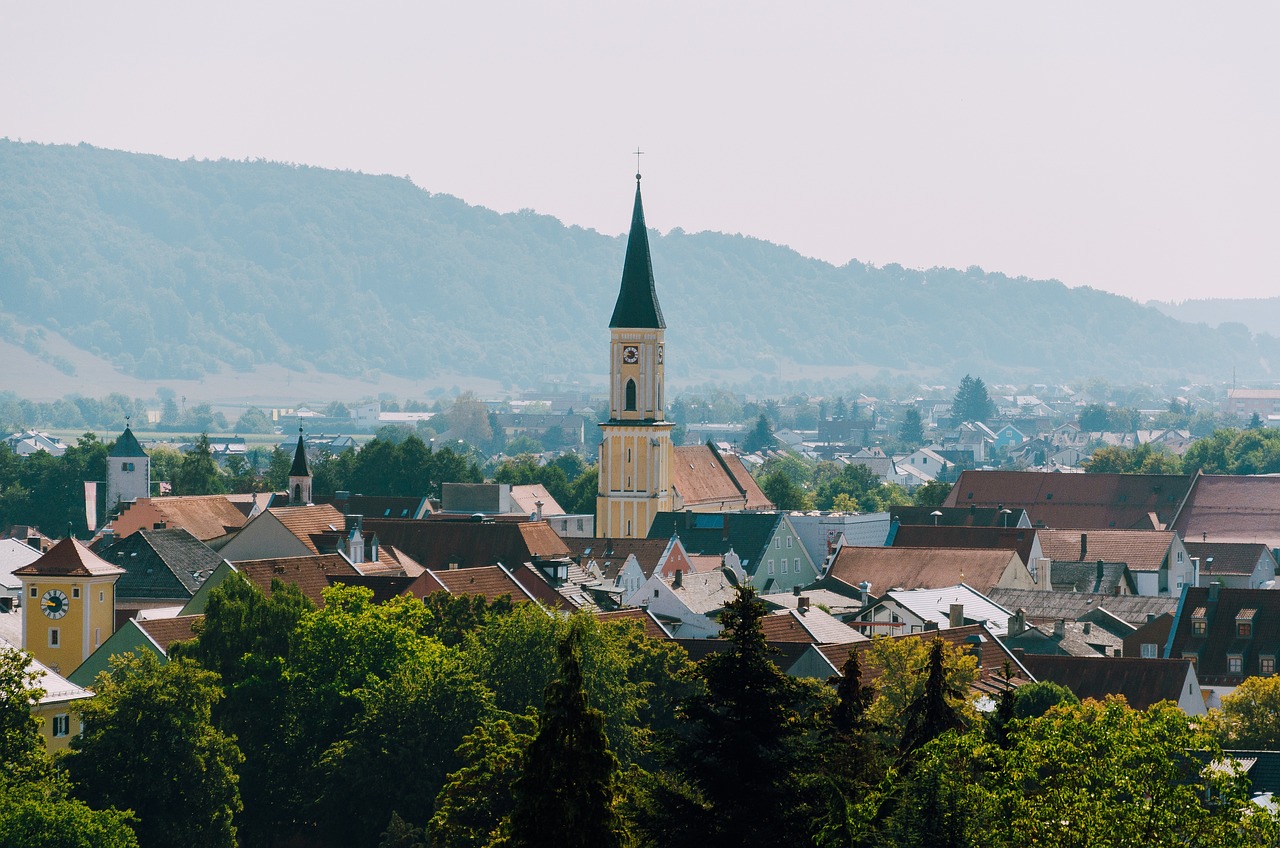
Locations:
column 930, row 715
column 564, row 796
column 199, row 473
column 761, row 436
column 971, row 401
column 912, row 432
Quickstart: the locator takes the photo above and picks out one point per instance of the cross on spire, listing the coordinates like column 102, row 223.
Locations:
column 639, row 153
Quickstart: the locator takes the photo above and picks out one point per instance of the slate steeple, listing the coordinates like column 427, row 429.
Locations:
column 637, row 304
column 300, row 475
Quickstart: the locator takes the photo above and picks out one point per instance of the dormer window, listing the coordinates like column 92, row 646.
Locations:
column 1267, row 664
column 1199, row 621
column 1235, row 663
column 1244, row 623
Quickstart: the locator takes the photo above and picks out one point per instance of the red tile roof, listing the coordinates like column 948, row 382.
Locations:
column 652, row 628
column 704, row 476
column 69, row 558
column 489, row 581
column 1141, row 550
column 309, row 573
column 920, row 568
column 438, row 542
column 1229, row 508
column 165, row 631
column 1100, row 501
column 309, row 522
column 994, row 538
column 203, row 516
column 1239, row 558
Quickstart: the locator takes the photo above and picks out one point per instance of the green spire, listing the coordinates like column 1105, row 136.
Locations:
column 637, row 304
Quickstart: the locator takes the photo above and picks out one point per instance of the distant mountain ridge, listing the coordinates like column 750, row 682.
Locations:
column 178, row 268
column 1258, row 314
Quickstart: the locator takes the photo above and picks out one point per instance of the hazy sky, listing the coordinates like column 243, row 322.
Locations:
column 1131, row 146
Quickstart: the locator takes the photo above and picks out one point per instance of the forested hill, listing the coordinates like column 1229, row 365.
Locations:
column 177, row 268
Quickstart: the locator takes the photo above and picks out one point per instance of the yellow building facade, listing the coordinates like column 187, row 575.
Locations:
column 68, row 605
column 636, row 453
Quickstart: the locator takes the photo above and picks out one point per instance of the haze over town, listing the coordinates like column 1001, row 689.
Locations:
column 1125, row 148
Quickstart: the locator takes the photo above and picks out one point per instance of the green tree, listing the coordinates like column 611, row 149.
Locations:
column 760, row 437
column 478, row 798
column 912, row 432
column 22, row 755
column 149, row 745
column 40, row 815
column 783, row 493
column 933, row 493
column 199, row 473
column 971, row 401
column 254, row 420
column 1143, row 459
column 564, row 795
column 1250, row 715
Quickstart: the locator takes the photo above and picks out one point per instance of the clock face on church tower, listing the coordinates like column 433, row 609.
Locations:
column 54, row 603
column 631, row 354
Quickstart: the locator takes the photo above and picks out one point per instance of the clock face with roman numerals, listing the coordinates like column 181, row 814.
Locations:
column 54, row 603
column 631, row 354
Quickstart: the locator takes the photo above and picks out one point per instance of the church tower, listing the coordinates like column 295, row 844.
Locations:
column 636, row 453
column 300, row 475
column 128, row 471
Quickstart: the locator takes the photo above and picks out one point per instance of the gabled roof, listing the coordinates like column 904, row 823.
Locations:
column 1232, row 508
column 705, row 475
column 309, row 573
column 127, row 445
column 745, row 533
column 490, row 582
column 811, row 625
column 14, row 554
column 165, row 631
column 380, row 506
column 1019, row 539
column 1228, row 557
column 637, row 304
column 705, row 593
column 1221, row 638
column 441, row 541
column 1142, row 682
column 310, row 523
column 1099, row 501
column 935, row 605
column 1141, row 550
column 652, row 627
column 920, row 568
column 525, row 498
column 69, row 558
column 168, row 563
column 387, row 586
column 204, row 516
column 1051, row 606
column 611, row 554
column 1100, row 578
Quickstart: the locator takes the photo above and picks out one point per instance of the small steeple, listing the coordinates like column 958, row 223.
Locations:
column 637, row 304
column 300, row 475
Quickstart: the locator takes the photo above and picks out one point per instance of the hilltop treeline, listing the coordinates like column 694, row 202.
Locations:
column 175, row 269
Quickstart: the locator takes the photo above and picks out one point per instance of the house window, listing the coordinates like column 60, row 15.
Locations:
column 1198, row 627
column 75, row 591
column 788, row 541
column 579, row 525
column 54, row 637
column 1149, row 651
column 777, row 544
column 1235, row 663
column 784, row 566
column 97, row 636
column 770, row 566
column 1179, row 556
column 101, row 596
column 62, row 725
column 33, row 591
column 1266, row 664
column 1244, row 629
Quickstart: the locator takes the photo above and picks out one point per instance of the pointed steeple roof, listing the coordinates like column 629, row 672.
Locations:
column 637, row 304
column 126, row 445
column 69, row 558
column 299, row 468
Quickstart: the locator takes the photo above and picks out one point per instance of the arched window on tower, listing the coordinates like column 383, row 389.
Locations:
column 297, row 493
column 631, row 396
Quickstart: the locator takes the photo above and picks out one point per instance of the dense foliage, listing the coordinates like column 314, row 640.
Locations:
column 175, row 269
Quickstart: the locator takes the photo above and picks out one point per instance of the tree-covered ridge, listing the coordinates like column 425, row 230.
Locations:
column 171, row 268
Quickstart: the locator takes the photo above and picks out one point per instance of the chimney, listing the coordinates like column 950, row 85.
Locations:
column 1214, row 586
column 956, row 616
column 1087, row 627
column 1018, row 623
column 802, row 605
column 1084, row 547
column 679, row 579
column 1060, row 629
column 865, row 588
column 1044, row 572
column 795, row 590
column 931, row 625
column 1101, row 565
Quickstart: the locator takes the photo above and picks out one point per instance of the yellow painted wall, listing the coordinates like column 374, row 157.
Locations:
column 88, row 622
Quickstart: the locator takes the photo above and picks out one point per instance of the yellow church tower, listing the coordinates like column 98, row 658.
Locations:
column 68, row 605
column 636, row 453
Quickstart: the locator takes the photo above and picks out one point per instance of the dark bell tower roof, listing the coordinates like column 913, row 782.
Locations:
column 637, row 304
column 299, row 468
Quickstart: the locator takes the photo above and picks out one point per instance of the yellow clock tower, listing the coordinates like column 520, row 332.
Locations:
column 636, row 453
column 68, row 605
